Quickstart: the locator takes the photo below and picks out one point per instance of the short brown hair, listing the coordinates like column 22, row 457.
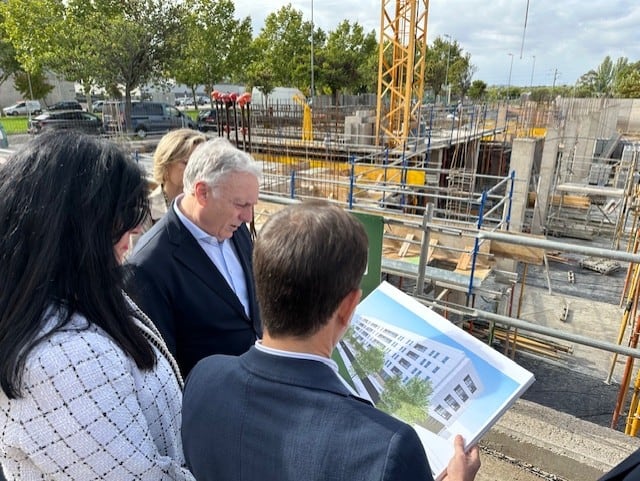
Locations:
column 307, row 258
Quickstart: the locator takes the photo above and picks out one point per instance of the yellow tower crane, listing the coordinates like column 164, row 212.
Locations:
column 401, row 68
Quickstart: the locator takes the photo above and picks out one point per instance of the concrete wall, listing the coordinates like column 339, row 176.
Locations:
column 62, row 90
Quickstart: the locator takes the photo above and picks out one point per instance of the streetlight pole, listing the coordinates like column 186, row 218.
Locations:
column 312, row 73
column 446, row 74
column 509, row 81
column 532, row 70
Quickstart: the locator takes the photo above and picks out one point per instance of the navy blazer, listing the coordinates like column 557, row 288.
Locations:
column 272, row 418
column 627, row 470
column 175, row 283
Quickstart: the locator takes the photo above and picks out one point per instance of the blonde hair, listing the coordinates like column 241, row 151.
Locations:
column 174, row 146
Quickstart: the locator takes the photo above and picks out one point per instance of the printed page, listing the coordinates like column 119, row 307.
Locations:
column 419, row 367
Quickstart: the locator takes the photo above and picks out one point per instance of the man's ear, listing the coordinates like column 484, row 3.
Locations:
column 202, row 191
column 348, row 306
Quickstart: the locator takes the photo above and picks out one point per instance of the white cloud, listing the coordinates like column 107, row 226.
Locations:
column 567, row 37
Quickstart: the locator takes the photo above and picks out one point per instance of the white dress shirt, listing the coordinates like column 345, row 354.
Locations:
column 308, row 356
column 223, row 255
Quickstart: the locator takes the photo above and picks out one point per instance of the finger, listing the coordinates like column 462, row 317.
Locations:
column 458, row 443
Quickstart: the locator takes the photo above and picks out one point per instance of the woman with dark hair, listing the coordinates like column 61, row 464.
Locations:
column 88, row 388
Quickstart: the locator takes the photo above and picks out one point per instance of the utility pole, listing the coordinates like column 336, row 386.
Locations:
column 446, row 74
column 509, row 81
column 312, row 72
column 532, row 69
column 556, row 74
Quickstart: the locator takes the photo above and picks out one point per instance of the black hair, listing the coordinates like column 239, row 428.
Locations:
column 67, row 198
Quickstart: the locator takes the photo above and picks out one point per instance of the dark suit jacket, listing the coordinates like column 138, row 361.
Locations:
column 627, row 470
column 271, row 418
column 181, row 290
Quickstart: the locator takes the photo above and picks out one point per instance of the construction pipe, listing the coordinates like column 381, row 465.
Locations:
column 547, row 331
column 563, row 246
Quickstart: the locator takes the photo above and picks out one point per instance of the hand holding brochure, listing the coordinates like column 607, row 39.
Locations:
column 421, row 368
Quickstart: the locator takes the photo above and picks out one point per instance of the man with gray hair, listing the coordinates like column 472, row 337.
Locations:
column 191, row 273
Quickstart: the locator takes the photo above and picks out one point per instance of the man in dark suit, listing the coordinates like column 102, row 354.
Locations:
column 627, row 470
column 191, row 273
column 281, row 412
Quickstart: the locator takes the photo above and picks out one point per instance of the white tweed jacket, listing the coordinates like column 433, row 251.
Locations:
column 88, row 413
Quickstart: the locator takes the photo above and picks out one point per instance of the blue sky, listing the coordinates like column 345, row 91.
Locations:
column 567, row 37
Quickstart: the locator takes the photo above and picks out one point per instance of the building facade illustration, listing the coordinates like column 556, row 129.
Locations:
column 453, row 377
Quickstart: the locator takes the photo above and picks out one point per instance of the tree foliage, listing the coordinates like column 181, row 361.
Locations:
column 368, row 361
column 477, row 90
column 122, row 42
column 8, row 61
column 283, row 50
column 628, row 81
column 344, row 61
column 446, row 64
column 601, row 81
column 32, row 85
column 408, row 401
column 216, row 45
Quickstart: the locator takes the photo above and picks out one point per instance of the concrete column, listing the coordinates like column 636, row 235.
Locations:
column 522, row 158
column 571, row 129
column 588, row 131
column 545, row 183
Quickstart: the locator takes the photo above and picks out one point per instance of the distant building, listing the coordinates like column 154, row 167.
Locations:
column 62, row 90
column 453, row 377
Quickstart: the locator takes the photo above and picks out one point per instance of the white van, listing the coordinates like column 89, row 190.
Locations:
column 23, row 107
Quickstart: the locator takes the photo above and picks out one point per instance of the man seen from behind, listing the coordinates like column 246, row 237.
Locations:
column 280, row 412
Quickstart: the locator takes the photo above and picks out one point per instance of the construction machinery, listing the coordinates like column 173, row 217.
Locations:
column 401, row 69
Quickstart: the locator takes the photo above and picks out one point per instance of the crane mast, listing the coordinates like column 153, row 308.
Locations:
column 401, row 69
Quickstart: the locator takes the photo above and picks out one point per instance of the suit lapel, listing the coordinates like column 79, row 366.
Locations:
column 243, row 245
column 189, row 253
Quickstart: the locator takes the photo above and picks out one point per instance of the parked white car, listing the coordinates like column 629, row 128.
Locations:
column 23, row 108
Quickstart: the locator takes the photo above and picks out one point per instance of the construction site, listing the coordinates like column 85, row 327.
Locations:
column 517, row 220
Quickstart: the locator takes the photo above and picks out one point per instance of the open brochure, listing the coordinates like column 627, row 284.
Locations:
column 416, row 365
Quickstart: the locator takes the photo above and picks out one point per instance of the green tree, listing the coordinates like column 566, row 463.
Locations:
column 601, row 81
column 31, row 26
column 344, row 61
column 408, row 401
column 8, row 62
column 216, row 45
column 260, row 76
column 628, row 82
column 121, row 42
column 477, row 90
column 448, row 64
column 144, row 36
column 32, row 85
column 368, row 361
column 283, row 47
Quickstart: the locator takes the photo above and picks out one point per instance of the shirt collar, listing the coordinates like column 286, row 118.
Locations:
column 297, row 355
column 197, row 232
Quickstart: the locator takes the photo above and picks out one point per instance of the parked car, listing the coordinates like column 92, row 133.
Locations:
column 146, row 117
column 65, row 105
column 23, row 107
column 208, row 120
column 97, row 106
column 66, row 120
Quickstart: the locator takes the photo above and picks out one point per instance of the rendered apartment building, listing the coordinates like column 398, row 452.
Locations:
column 453, row 378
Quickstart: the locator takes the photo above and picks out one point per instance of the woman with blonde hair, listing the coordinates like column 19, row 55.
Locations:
column 169, row 160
